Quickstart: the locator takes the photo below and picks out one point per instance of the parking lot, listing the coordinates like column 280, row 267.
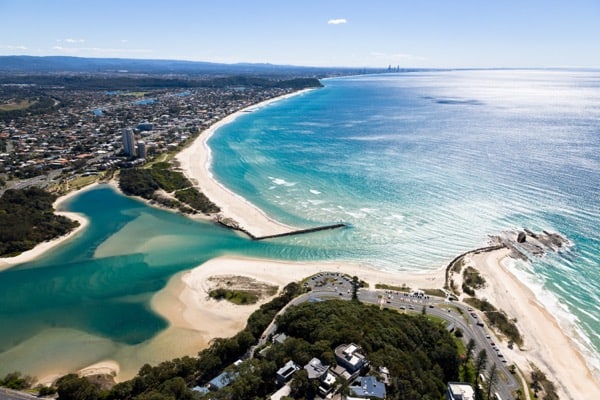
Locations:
column 334, row 283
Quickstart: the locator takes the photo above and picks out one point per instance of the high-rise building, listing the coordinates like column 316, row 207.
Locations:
column 128, row 142
column 141, row 149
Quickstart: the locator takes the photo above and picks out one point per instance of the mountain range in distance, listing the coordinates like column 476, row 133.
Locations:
column 22, row 64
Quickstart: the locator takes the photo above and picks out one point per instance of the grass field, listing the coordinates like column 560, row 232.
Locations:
column 20, row 105
column 134, row 94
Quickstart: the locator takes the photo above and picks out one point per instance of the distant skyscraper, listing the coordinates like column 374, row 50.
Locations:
column 141, row 149
column 128, row 142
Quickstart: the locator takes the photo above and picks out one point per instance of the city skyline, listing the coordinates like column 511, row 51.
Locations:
column 432, row 33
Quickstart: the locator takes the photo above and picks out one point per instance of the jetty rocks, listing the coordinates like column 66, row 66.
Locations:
column 525, row 243
column 232, row 224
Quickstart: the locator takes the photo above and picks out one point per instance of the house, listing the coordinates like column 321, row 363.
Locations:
column 279, row 338
column 222, row 380
column 200, row 389
column 349, row 357
column 460, row 391
column 316, row 370
column 368, row 388
column 285, row 373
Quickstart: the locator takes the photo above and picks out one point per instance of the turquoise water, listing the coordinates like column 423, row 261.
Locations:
column 423, row 165
column 426, row 165
column 100, row 283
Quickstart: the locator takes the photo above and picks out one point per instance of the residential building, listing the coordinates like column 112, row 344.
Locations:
column 222, row 380
column 128, row 142
column 316, row 370
column 141, row 149
column 460, row 391
column 279, row 338
column 285, row 373
column 368, row 388
column 350, row 357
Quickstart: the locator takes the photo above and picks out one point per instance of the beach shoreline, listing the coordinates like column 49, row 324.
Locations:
column 546, row 344
column 195, row 161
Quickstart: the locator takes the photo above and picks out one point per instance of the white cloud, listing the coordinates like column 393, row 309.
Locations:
column 71, row 40
column 337, row 21
column 11, row 47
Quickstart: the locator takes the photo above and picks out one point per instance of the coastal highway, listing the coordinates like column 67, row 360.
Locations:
column 327, row 285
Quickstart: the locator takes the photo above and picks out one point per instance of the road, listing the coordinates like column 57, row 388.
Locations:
column 326, row 286
column 8, row 394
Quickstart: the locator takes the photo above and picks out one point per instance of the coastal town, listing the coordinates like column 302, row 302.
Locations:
column 90, row 131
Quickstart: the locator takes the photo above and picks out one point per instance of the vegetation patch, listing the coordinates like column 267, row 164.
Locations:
column 384, row 286
column 498, row 319
column 17, row 105
column 197, row 200
column 168, row 179
column 27, row 218
column 472, row 278
column 24, row 107
column 145, row 182
column 239, row 297
column 458, row 264
column 434, row 292
column 540, row 383
column 239, row 289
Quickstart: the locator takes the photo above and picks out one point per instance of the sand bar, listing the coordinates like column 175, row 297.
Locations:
column 185, row 303
column 195, row 162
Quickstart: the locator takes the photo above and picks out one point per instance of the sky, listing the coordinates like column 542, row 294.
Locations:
column 336, row 33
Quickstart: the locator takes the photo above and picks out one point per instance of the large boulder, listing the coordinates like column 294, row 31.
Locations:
column 521, row 237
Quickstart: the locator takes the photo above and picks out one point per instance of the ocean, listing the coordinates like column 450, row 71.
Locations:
column 427, row 165
column 422, row 165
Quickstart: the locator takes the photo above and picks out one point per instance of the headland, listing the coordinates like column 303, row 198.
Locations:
column 546, row 344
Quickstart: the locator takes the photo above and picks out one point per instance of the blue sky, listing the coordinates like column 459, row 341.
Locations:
column 357, row 33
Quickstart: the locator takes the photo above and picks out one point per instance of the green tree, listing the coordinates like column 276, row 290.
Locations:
column 16, row 380
column 355, row 286
column 492, row 380
column 72, row 387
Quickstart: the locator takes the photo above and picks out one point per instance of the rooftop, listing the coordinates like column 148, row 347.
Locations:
column 461, row 391
column 315, row 368
column 369, row 387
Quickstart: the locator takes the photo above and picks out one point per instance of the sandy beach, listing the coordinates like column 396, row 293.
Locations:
column 545, row 343
column 29, row 255
column 185, row 302
column 195, row 161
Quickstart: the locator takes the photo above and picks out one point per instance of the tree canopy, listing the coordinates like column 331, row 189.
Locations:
column 27, row 218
